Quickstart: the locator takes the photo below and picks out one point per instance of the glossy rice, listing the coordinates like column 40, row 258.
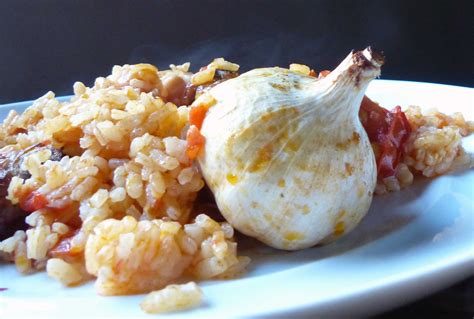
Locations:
column 434, row 147
column 119, row 200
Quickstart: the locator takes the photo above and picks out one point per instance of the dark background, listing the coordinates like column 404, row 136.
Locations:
column 49, row 44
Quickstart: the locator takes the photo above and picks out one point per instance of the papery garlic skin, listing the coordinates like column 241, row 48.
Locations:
column 286, row 156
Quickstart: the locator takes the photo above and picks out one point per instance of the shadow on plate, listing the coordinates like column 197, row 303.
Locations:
column 388, row 214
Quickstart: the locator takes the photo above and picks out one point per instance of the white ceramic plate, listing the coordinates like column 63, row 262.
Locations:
column 411, row 243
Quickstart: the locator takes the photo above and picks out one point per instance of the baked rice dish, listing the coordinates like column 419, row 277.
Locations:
column 106, row 186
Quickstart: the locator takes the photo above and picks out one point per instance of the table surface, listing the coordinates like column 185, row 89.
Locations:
column 456, row 301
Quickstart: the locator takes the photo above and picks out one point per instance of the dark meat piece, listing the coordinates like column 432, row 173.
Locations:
column 178, row 91
column 206, row 204
column 225, row 75
column 12, row 218
column 219, row 77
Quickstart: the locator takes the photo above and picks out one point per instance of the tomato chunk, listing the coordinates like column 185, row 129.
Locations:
column 323, row 74
column 389, row 131
column 33, row 201
column 64, row 248
column 195, row 142
column 197, row 114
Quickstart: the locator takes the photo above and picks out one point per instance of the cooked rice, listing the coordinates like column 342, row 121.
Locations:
column 433, row 148
column 130, row 256
column 173, row 298
column 125, row 165
column 66, row 273
column 206, row 75
column 300, row 68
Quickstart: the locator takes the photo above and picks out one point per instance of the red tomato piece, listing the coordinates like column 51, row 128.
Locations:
column 389, row 131
column 195, row 142
column 33, row 201
column 197, row 114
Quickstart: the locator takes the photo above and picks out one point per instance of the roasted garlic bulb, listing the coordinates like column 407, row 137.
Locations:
column 285, row 154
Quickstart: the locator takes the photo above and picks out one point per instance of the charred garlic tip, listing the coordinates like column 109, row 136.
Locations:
column 286, row 155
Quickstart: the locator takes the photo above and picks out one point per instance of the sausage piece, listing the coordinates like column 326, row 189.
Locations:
column 12, row 217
